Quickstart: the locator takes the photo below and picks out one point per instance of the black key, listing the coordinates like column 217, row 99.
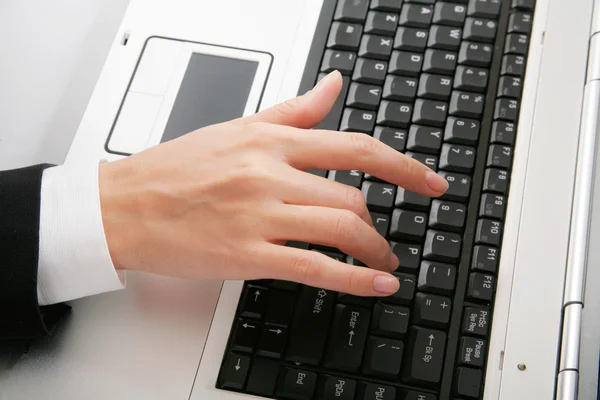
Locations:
column 296, row 384
column 286, row 285
column 362, row 95
column 234, row 371
column 466, row 104
column 297, row 245
column 311, row 322
column 510, row 86
column 375, row 46
column 383, row 357
column 394, row 114
column 480, row 30
column 484, row 8
column 507, row 109
column 444, row 37
column 254, row 301
column 347, row 339
column 477, row 54
column 435, row 86
column 263, row 377
column 516, row 43
column 481, row 287
column 411, row 39
column 471, row 78
column 400, row 88
column 386, row 5
column 495, row 180
column 245, row 335
column 488, row 232
column 455, row 157
column 468, row 382
column 390, row 320
column 439, row 62
column 523, row 4
column 461, row 130
column 405, row 63
column 394, row 138
column 472, row 351
column 520, row 22
column 449, row 14
column 381, row 223
column 513, row 65
column 355, row 120
column 272, row 341
column 344, row 36
column 352, row 300
column 424, row 356
column 335, row 388
column 430, row 112
column 379, row 196
column 408, row 254
column 342, row 61
column 375, row 391
column 370, row 71
column 485, row 259
column 476, row 321
column 352, row 10
column 350, row 178
column 431, row 310
column 499, row 156
column 424, row 138
column 281, row 307
column 381, row 23
column 459, row 186
column 416, row 15
column 442, row 246
column 406, row 293
column 447, row 215
column 437, row 277
column 427, row 159
column 317, row 172
column 492, row 206
column 408, row 224
column 412, row 395
column 411, row 200
column 353, row 261
column 332, row 120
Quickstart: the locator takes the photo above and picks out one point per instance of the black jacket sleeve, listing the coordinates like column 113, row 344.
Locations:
column 20, row 315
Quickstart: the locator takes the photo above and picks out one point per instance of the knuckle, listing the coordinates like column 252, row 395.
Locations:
column 356, row 200
column 288, row 107
column 306, row 267
column 259, row 133
column 364, row 145
column 353, row 281
column 347, row 226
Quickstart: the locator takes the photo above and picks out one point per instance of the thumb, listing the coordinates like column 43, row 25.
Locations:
column 305, row 111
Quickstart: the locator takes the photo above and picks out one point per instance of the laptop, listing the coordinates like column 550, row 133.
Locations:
column 501, row 97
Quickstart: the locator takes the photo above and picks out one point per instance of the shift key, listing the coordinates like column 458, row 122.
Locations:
column 309, row 329
column 332, row 121
column 347, row 340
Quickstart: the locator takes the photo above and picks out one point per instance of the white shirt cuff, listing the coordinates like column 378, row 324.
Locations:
column 74, row 260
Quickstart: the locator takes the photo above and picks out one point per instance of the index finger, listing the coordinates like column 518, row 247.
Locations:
column 333, row 150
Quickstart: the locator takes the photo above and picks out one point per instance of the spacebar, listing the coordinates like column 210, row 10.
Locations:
column 332, row 120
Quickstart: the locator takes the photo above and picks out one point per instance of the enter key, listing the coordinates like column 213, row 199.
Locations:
column 347, row 339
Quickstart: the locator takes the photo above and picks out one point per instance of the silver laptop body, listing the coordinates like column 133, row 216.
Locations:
column 164, row 338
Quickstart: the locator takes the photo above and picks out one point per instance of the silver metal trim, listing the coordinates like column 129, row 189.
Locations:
column 596, row 17
column 582, row 198
column 569, row 357
column 567, row 388
column 593, row 71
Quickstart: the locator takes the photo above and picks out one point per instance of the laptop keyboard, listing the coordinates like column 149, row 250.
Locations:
column 441, row 82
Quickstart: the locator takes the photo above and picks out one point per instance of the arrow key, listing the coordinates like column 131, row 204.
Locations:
column 272, row 341
column 234, row 371
column 254, row 301
column 244, row 336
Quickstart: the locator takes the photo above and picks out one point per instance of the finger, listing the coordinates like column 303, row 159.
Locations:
column 304, row 111
column 323, row 192
column 332, row 227
column 332, row 150
column 316, row 269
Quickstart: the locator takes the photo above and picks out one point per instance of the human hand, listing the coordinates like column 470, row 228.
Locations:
column 221, row 202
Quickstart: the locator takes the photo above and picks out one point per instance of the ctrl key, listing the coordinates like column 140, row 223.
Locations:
column 295, row 384
column 234, row 371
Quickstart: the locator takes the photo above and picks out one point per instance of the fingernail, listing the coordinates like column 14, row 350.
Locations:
column 394, row 262
column 325, row 79
column 436, row 182
column 385, row 284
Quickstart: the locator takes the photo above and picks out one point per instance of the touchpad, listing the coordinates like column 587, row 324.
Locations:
column 179, row 87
